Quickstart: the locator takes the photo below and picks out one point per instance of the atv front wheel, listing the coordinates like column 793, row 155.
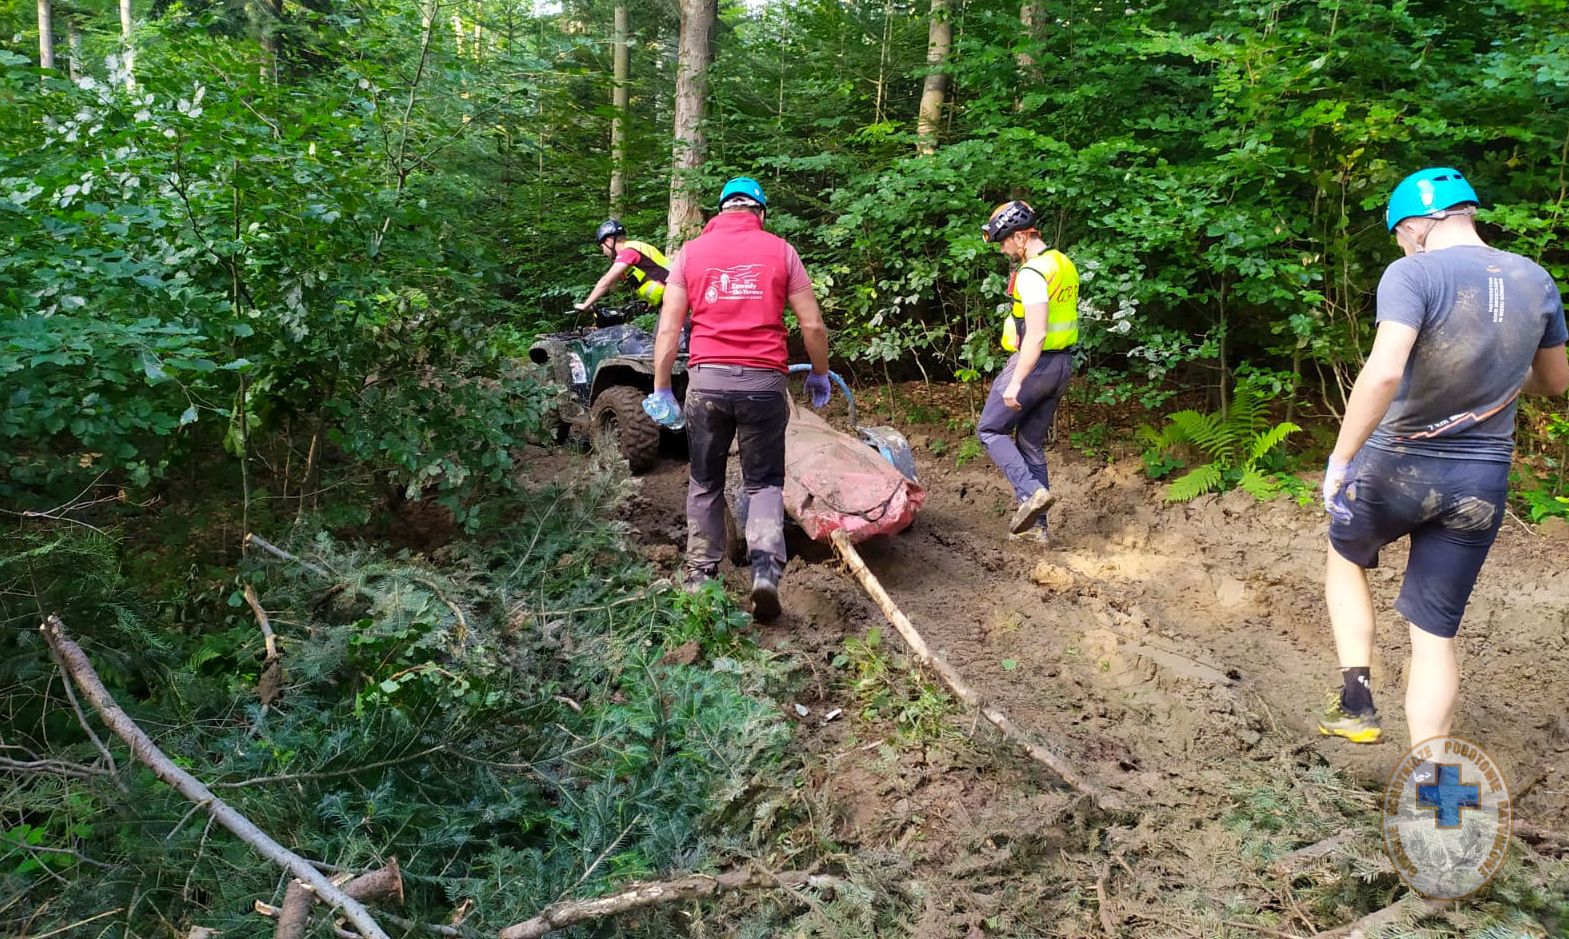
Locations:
column 622, row 429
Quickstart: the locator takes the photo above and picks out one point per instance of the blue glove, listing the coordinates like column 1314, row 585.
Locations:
column 1335, row 490
column 818, row 389
column 662, row 407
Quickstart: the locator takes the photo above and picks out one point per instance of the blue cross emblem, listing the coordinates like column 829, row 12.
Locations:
column 1448, row 796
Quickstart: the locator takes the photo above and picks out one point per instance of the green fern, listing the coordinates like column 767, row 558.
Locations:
column 1233, row 445
column 1194, row 483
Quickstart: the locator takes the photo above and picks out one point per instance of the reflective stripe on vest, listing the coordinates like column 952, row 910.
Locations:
column 650, row 273
column 1062, row 306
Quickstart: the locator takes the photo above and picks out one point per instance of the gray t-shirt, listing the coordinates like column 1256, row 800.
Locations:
column 1480, row 315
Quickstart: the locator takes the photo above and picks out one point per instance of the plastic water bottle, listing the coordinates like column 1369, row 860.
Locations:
column 665, row 412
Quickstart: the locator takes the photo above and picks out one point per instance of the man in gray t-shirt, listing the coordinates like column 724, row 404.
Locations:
column 1428, row 436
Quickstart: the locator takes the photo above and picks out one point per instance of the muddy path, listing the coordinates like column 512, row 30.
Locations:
column 1178, row 654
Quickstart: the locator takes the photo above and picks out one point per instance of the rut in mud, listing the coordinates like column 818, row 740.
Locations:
column 1176, row 654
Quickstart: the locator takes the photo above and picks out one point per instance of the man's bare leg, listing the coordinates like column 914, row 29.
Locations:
column 1432, row 685
column 1350, row 611
column 1351, row 617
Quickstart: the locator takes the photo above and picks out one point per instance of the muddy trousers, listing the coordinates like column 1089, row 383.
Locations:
column 748, row 406
column 1016, row 440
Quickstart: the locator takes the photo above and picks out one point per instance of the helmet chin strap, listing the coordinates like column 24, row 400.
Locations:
column 1432, row 222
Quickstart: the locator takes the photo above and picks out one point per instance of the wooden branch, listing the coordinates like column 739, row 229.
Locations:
column 567, row 913
column 1541, row 838
column 80, row 669
column 1304, row 857
column 270, row 640
column 378, row 886
column 950, row 676
column 51, row 768
column 1406, row 906
column 270, row 684
column 251, row 538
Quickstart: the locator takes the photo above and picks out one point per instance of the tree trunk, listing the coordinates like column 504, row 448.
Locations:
column 128, row 52
column 939, row 39
column 45, row 34
column 686, row 216
column 1030, row 25
column 73, row 45
column 618, row 102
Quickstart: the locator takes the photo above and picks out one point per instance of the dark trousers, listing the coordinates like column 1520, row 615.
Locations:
column 747, row 406
column 1016, row 440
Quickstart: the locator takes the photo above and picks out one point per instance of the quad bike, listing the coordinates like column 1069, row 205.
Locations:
column 602, row 375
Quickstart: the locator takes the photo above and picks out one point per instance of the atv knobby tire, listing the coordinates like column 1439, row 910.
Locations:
column 620, row 427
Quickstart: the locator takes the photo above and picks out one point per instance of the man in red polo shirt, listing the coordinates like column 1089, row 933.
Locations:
column 737, row 279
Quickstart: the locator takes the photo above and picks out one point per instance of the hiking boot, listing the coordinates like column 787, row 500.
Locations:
column 1357, row 728
column 765, row 592
column 1031, row 510
column 695, row 577
column 1034, row 536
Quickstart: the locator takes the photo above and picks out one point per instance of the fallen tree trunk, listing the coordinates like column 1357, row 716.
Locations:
column 80, row 670
column 950, row 677
column 569, row 912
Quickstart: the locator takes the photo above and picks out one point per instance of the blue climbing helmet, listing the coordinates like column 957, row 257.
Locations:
column 743, row 186
column 1428, row 192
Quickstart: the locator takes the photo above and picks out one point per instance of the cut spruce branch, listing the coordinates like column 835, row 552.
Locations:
column 950, row 676
column 252, row 538
column 77, row 666
column 1406, row 909
column 384, row 886
column 698, row 886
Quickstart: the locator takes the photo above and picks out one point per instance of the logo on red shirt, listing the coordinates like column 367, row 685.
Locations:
column 733, row 283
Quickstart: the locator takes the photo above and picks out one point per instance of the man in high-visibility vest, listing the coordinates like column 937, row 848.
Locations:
column 645, row 263
column 1040, row 329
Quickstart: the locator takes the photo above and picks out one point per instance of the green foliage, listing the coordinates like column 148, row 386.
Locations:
column 505, row 725
column 969, row 449
column 893, row 689
column 1236, row 443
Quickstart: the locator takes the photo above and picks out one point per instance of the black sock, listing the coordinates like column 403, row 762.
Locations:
column 1356, row 693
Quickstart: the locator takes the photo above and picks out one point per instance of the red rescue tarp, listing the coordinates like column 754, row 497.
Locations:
column 834, row 481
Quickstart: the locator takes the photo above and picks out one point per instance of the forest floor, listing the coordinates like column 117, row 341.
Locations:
column 1178, row 655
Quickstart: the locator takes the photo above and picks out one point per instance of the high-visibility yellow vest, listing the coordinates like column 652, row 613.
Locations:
column 1062, row 307
column 650, row 273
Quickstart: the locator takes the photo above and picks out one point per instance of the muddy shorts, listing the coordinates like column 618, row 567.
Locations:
column 1451, row 509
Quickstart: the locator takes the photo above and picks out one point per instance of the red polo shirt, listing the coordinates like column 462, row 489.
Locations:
column 737, row 277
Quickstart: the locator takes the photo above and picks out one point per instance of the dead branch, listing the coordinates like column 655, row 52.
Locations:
column 1542, row 838
column 330, row 773
column 268, row 638
column 51, row 768
column 80, row 669
column 271, row 681
column 950, row 676
column 1302, row 858
column 1107, row 923
column 384, row 886
column 81, row 718
column 452, row 932
column 567, row 913
column 251, row 538
column 1403, row 908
